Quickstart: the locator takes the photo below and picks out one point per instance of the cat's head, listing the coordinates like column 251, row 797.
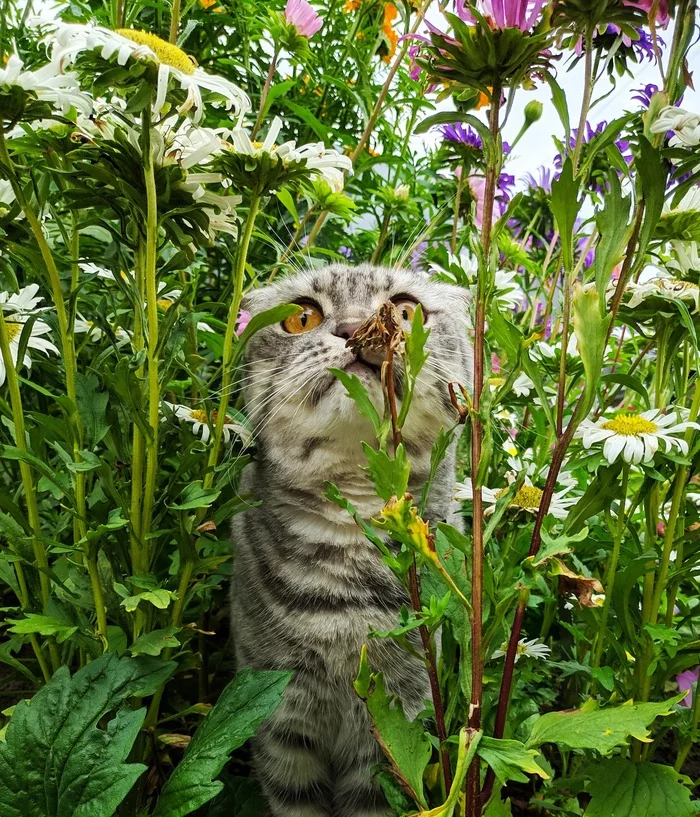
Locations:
column 290, row 394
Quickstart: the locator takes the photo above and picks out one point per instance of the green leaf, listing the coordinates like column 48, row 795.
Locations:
column 155, row 642
column 390, row 476
column 319, row 128
column 623, row 789
column 194, row 496
column 497, row 807
column 614, row 234
column 404, row 742
column 42, row 625
column 599, row 729
column 510, row 759
column 565, row 206
column 358, row 393
column 275, row 315
column 287, row 200
column 56, row 761
column 652, row 176
column 245, row 703
column 92, row 407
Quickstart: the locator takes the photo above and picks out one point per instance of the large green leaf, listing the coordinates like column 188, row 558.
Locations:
column 599, row 729
column 404, row 742
column 624, row 789
column 245, row 703
column 591, row 328
column 55, row 761
column 565, row 205
column 92, row 407
column 614, row 234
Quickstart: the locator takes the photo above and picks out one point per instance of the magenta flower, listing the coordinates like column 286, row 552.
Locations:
column 522, row 14
column 301, row 15
column 662, row 15
column 477, row 185
column 243, row 320
column 686, row 681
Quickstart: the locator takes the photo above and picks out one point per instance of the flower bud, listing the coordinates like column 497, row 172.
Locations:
column 533, row 111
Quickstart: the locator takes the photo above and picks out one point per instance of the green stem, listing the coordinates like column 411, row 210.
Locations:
column 97, row 594
column 266, row 88
column 694, row 720
column 239, row 279
column 587, row 93
column 611, row 570
column 151, row 286
column 174, row 21
column 138, row 442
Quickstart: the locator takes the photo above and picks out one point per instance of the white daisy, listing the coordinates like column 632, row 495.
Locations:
column 548, row 351
column 664, row 284
column 635, row 436
column 19, row 308
column 72, row 39
column 172, row 296
column 84, row 326
column 522, row 385
column 527, row 498
column 686, row 256
column 7, row 196
column 48, row 83
column 689, row 202
column 684, row 124
column 321, row 161
column 202, row 425
column 528, row 649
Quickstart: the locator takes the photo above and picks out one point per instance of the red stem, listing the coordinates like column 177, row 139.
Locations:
column 472, row 803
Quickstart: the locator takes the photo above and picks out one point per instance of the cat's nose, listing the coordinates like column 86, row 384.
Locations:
column 347, row 330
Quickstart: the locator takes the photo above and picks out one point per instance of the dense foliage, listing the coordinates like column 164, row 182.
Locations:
column 143, row 191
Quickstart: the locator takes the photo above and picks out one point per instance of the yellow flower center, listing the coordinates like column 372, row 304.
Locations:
column 675, row 286
column 496, row 382
column 522, row 649
column 164, row 303
column 199, row 415
column 629, row 425
column 14, row 329
column 167, row 53
column 527, row 497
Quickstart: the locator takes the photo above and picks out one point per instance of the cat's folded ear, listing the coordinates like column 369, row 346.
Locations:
column 255, row 300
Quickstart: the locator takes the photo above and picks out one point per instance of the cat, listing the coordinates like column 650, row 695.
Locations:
column 307, row 585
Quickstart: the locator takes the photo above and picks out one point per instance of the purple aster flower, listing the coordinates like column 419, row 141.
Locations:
column 644, row 95
column 458, row 133
column 542, row 182
column 686, row 681
column 346, row 251
column 588, row 135
column 581, row 244
column 417, row 261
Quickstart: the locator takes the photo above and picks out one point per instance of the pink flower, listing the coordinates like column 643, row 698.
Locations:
column 662, row 15
column 522, row 14
column 686, row 680
column 243, row 321
column 477, row 184
column 301, row 15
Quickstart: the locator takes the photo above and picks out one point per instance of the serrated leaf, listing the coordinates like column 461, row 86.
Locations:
column 55, row 761
column 510, row 759
column 194, row 496
column 405, row 743
column 591, row 328
column 624, row 789
column 390, row 476
column 599, row 729
column 42, row 625
column 565, row 205
column 155, row 642
column 245, row 703
column 358, row 393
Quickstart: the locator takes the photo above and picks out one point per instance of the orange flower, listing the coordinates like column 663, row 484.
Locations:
column 392, row 38
column 484, row 100
column 352, row 5
column 207, row 4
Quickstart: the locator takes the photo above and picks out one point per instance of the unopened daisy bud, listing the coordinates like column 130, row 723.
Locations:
column 533, row 111
column 401, row 191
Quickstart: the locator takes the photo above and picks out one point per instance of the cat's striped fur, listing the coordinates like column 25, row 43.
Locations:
column 307, row 585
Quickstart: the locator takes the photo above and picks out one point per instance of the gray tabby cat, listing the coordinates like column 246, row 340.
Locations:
column 307, row 584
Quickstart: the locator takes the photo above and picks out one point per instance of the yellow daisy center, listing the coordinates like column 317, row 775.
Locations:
column 164, row 303
column 167, row 53
column 629, row 425
column 522, row 649
column 199, row 415
column 14, row 329
column 527, row 497
column 496, row 381
column 675, row 285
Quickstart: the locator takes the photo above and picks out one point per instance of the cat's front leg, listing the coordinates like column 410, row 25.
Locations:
column 291, row 752
column 355, row 755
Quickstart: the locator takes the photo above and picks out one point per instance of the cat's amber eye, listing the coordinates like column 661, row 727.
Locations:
column 309, row 318
column 406, row 308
